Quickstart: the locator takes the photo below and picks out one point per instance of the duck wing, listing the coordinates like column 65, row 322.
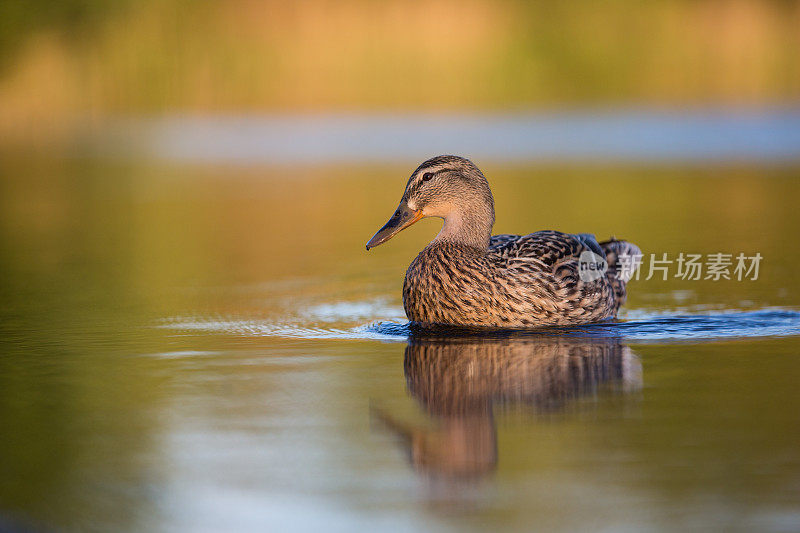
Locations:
column 543, row 250
column 552, row 253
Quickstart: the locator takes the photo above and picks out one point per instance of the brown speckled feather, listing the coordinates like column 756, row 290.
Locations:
column 519, row 282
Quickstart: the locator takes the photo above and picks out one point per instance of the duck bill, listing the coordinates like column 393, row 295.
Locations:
column 402, row 218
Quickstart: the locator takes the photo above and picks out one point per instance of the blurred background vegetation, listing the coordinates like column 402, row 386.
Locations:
column 87, row 60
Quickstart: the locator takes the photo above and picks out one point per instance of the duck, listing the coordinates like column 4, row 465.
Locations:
column 467, row 277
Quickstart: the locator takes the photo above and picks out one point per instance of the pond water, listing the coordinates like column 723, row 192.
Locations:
column 209, row 348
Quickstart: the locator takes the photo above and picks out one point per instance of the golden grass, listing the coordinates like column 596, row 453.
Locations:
column 242, row 56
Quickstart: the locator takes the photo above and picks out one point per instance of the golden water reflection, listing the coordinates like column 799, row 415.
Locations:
column 461, row 382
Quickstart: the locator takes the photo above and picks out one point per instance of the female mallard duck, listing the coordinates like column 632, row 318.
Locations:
column 467, row 277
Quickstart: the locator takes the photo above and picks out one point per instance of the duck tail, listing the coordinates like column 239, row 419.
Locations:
column 623, row 260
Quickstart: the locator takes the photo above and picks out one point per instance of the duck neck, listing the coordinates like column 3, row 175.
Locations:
column 467, row 228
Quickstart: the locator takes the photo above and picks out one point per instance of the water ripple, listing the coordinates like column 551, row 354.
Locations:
column 770, row 322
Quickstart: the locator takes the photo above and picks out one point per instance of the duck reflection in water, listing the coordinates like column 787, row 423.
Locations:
column 459, row 381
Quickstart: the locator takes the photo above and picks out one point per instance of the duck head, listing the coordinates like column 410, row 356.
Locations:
column 447, row 187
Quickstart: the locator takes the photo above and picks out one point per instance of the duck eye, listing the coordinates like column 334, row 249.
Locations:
column 427, row 176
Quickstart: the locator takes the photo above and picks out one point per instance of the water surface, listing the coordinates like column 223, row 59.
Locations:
column 209, row 348
column 721, row 135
